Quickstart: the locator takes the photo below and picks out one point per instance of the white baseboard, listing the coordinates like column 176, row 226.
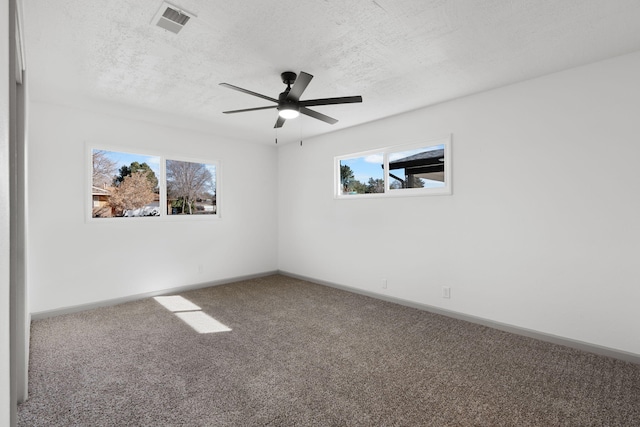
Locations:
column 555, row 339
column 115, row 301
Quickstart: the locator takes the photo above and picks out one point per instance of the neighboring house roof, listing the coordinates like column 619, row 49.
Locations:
column 97, row 191
column 425, row 162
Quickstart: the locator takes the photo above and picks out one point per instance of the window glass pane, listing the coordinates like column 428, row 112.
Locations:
column 124, row 184
column 191, row 188
column 362, row 175
column 419, row 168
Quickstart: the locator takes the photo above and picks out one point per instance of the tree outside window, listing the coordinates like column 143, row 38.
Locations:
column 361, row 175
column 124, row 184
column 191, row 188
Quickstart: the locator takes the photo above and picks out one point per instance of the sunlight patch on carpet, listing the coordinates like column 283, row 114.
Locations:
column 202, row 322
column 191, row 314
column 176, row 303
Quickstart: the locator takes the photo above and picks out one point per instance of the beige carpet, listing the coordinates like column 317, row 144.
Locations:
column 300, row 354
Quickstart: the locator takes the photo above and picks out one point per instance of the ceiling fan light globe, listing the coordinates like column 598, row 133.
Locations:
column 288, row 113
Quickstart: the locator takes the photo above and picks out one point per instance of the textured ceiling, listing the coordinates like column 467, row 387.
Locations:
column 399, row 55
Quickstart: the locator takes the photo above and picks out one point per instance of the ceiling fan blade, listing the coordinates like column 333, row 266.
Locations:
column 319, row 116
column 280, row 122
column 330, row 101
column 251, row 109
column 239, row 89
column 301, row 83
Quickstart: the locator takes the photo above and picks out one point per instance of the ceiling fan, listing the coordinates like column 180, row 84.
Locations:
column 289, row 105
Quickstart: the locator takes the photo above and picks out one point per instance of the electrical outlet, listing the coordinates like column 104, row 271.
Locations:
column 384, row 283
column 446, row 292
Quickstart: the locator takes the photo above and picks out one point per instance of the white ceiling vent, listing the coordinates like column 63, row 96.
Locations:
column 171, row 18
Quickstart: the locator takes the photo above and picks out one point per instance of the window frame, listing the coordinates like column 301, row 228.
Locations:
column 162, row 185
column 386, row 152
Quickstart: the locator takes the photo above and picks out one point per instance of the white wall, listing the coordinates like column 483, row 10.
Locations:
column 6, row 402
column 542, row 230
column 74, row 262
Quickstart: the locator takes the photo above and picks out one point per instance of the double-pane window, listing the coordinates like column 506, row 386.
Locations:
column 417, row 169
column 126, row 185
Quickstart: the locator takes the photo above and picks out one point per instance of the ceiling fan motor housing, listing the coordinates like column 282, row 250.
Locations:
column 287, row 104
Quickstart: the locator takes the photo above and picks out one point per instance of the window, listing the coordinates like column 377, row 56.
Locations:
column 417, row 169
column 191, row 188
column 362, row 175
column 125, row 185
